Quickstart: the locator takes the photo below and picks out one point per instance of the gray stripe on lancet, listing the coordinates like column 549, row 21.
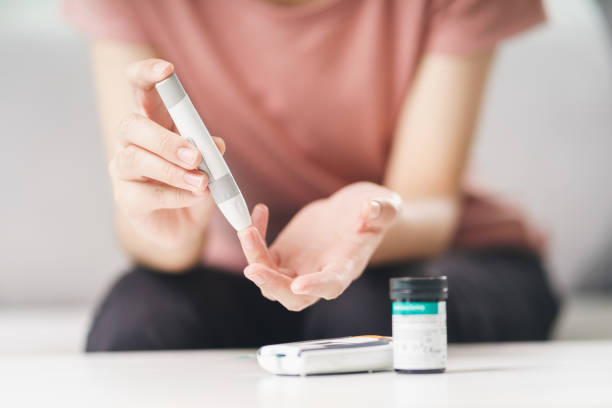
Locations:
column 171, row 91
column 223, row 189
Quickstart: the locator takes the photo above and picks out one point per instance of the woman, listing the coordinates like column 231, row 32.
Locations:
column 353, row 121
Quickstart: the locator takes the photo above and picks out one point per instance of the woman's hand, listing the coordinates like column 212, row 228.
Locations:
column 324, row 247
column 154, row 174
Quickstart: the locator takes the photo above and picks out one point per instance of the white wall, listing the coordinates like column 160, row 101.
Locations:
column 546, row 134
column 57, row 240
column 545, row 139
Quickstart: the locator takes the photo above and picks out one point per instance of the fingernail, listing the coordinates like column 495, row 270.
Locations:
column 255, row 277
column 199, row 194
column 249, row 240
column 160, row 67
column 375, row 209
column 187, row 155
column 194, row 179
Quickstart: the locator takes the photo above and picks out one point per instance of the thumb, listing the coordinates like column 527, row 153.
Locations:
column 378, row 214
column 143, row 75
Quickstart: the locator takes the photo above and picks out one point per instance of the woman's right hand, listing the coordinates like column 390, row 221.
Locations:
column 154, row 171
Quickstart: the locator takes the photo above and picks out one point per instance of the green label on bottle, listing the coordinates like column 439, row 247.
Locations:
column 415, row 308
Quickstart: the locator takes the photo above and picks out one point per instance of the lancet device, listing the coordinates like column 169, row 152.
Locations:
column 221, row 183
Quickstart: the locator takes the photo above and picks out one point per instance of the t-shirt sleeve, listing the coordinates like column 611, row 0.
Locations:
column 109, row 19
column 468, row 26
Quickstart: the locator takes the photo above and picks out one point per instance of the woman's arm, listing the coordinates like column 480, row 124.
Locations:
column 161, row 202
column 430, row 152
column 329, row 242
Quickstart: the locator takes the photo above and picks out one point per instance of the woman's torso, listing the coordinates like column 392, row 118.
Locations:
column 306, row 97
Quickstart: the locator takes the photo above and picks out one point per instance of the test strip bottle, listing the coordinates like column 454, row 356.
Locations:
column 419, row 324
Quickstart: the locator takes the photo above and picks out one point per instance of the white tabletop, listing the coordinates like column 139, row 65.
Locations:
column 562, row 374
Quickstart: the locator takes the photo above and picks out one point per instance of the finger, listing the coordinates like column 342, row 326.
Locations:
column 143, row 132
column 255, row 248
column 143, row 75
column 327, row 284
column 379, row 214
column 136, row 164
column 277, row 286
column 137, row 197
column 220, row 144
column 260, row 216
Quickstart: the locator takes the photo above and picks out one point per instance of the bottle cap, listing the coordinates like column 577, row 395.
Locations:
column 421, row 288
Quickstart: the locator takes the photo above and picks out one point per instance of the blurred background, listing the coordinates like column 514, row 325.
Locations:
column 544, row 140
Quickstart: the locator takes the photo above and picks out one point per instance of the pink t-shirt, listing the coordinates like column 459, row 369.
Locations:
column 307, row 96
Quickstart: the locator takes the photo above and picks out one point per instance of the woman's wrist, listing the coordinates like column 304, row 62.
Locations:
column 423, row 228
column 174, row 259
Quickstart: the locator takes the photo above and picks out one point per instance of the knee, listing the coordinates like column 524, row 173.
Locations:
column 497, row 295
column 142, row 311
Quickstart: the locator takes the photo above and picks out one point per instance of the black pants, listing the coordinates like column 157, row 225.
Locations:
column 494, row 295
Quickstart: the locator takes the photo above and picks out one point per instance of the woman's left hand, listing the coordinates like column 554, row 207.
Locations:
column 326, row 245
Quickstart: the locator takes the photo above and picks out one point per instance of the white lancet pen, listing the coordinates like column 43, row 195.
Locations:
column 221, row 183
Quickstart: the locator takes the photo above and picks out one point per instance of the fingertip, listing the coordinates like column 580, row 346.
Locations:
column 220, row 144
column 299, row 286
column 374, row 209
column 162, row 69
column 255, row 268
column 198, row 159
column 255, row 274
column 259, row 217
column 379, row 214
column 202, row 188
column 189, row 156
column 261, row 207
column 200, row 195
column 248, row 270
column 143, row 74
column 249, row 239
column 197, row 192
column 370, row 210
column 396, row 200
column 259, row 211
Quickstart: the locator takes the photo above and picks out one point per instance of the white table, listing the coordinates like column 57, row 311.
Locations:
column 559, row 374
